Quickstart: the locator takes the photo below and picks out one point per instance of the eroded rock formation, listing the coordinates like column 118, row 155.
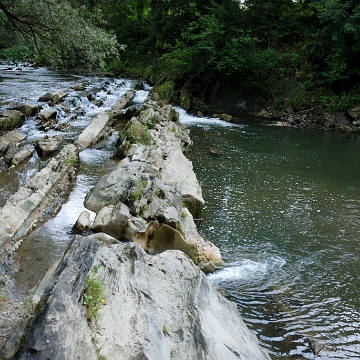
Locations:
column 153, row 193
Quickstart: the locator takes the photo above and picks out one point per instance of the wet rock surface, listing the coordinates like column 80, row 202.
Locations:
column 11, row 119
column 23, row 209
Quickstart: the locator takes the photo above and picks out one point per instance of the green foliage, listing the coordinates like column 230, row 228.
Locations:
column 183, row 215
column 139, row 190
column 308, row 96
column 335, row 43
column 62, row 34
column 164, row 330
column 208, row 50
column 70, row 161
column 17, row 53
column 273, row 21
column 93, row 293
column 166, row 89
column 138, row 133
column 29, row 306
column 263, row 47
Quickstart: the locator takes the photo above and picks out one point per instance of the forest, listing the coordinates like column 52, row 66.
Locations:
column 297, row 54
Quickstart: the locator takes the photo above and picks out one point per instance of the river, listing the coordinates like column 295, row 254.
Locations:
column 282, row 204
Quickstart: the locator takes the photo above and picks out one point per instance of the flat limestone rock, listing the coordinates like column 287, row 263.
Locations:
column 21, row 156
column 93, row 131
column 155, row 307
column 14, row 136
column 27, row 200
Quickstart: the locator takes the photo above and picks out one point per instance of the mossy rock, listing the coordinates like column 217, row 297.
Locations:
column 137, row 133
column 11, row 119
column 194, row 206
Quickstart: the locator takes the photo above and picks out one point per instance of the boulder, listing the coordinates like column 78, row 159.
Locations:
column 10, row 152
column 53, row 98
column 14, row 136
column 112, row 220
column 154, row 307
column 22, row 210
column 124, row 101
column 93, row 132
column 78, row 86
column 168, row 238
column 46, row 115
column 11, row 119
column 82, row 223
column 27, row 109
column 207, row 255
column 9, row 143
column 21, row 156
column 3, row 145
column 141, row 187
column 264, row 113
column 226, row 117
column 354, row 113
column 48, row 145
column 329, row 121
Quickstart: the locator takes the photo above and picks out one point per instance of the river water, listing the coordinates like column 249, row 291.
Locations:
column 25, row 84
column 282, row 204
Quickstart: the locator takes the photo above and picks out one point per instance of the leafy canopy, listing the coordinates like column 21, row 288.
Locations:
column 63, row 33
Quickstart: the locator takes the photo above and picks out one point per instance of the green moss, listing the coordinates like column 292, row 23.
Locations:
column 139, row 190
column 166, row 90
column 93, row 293
column 70, row 161
column 137, row 133
column 164, row 330
column 183, row 215
column 194, row 207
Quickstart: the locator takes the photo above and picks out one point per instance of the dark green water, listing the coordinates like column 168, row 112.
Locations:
column 283, row 205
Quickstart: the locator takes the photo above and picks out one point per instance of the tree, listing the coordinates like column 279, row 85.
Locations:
column 64, row 34
column 335, row 44
column 273, row 21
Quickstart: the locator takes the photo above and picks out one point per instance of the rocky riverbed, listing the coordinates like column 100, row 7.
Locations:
column 156, row 302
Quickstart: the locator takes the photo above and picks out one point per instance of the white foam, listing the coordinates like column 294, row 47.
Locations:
column 188, row 119
column 246, row 269
column 140, row 96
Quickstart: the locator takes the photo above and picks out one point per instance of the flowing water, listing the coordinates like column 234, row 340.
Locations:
column 283, row 205
column 26, row 84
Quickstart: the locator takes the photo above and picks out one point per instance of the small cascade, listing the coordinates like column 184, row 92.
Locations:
column 73, row 114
